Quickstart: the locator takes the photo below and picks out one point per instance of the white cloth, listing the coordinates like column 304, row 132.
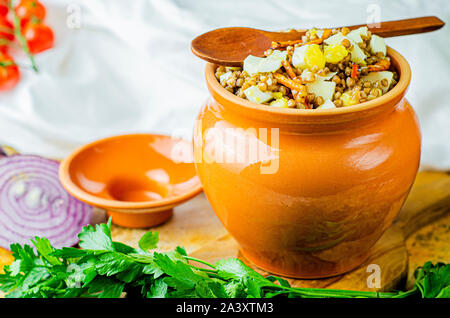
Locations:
column 129, row 68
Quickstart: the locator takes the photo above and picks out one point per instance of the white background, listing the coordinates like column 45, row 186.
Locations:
column 129, row 68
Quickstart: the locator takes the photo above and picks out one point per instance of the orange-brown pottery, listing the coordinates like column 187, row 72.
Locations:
column 137, row 178
column 307, row 193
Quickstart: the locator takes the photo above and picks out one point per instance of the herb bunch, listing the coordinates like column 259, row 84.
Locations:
column 106, row 269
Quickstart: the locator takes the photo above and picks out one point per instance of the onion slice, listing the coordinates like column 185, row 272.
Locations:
column 34, row 203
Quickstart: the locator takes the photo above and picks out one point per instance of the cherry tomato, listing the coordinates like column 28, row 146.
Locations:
column 6, row 34
column 30, row 11
column 9, row 73
column 4, row 9
column 4, row 47
column 39, row 37
column 6, row 29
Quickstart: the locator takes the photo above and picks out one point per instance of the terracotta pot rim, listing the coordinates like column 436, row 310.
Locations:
column 224, row 97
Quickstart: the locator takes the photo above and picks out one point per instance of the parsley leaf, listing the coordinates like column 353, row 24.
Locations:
column 236, row 269
column 181, row 275
column 98, row 238
column 433, row 280
column 106, row 288
column 45, row 250
column 107, row 269
column 158, row 290
column 149, row 241
column 210, row 289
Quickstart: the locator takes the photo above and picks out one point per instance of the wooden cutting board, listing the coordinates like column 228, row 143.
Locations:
column 420, row 233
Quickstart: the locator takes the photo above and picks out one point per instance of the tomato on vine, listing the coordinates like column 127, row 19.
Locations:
column 6, row 29
column 4, row 8
column 6, row 34
column 39, row 37
column 23, row 23
column 9, row 72
column 30, row 11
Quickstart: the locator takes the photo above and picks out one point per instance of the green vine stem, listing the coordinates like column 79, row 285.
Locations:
column 20, row 37
column 314, row 292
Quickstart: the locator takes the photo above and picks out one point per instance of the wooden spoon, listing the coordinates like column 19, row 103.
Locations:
column 230, row 46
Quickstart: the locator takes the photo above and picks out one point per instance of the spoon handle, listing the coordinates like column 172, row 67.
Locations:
column 405, row 26
column 383, row 29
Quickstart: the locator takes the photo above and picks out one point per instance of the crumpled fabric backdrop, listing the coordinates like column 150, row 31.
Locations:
column 129, row 68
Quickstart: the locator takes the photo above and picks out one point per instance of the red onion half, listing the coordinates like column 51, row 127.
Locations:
column 34, row 203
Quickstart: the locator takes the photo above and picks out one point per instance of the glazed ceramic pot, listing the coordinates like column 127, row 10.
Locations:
column 307, row 193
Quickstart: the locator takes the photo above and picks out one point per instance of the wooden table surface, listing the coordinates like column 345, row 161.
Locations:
column 420, row 233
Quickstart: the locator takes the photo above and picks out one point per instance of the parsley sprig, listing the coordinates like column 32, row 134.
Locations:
column 107, row 269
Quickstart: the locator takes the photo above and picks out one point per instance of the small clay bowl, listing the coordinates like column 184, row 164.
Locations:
column 138, row 178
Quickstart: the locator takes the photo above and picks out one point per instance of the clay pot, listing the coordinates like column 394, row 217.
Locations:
column 324, row 185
